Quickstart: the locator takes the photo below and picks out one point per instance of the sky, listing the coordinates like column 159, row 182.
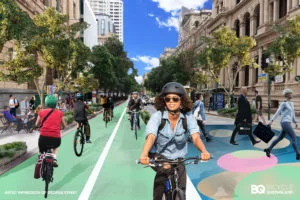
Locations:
column 152, row 25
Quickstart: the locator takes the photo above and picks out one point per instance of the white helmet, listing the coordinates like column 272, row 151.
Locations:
column 287, row 91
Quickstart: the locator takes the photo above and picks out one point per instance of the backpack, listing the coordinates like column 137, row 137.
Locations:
column 16, row 102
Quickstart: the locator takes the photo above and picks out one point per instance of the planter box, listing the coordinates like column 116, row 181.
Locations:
column 6, row 160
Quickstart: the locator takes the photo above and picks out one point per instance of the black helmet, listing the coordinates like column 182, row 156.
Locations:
column 173, row 87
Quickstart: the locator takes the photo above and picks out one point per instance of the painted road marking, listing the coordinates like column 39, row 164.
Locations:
column 86, row 192
column 191, row 192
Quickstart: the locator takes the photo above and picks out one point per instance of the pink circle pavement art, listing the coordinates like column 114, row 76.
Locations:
column 247, row 161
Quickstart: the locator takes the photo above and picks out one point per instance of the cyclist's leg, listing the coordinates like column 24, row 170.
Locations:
column 138, row 120
column 87, row 130
column 182, row 180
column 131, row 120
column 159, row 185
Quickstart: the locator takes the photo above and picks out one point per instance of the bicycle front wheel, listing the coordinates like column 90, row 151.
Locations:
column 78, row 143
column 178, row 195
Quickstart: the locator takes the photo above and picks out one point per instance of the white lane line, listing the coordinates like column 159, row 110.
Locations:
column 191, row 191
column 86, row 192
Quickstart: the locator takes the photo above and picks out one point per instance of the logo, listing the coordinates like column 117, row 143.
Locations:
column 258, row 189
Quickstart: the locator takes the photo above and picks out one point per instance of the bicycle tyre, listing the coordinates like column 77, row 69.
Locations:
column 105, row 118
column 78, row 142
column 46, row 189
column 47, row 176
column 135, row 128
column 178, row 195
column 167, row 195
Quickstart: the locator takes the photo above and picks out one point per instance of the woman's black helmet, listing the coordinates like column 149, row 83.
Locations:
column 175, row 88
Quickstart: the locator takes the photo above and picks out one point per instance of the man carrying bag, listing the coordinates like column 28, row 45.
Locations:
column 243, row 119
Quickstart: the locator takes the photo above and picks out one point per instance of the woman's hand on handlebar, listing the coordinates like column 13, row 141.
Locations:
column 205, row 156
column 144, row 159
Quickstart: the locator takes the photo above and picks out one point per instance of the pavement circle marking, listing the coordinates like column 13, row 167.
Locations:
column 246, row 163
column 221, row 185
column 282, row 144
column 86, row 192
column 221, row 133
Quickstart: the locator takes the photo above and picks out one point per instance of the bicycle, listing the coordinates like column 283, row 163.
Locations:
column 172, row 191
column 80, row 133
column 107, row 116
column 135, row 119
column 47, row 169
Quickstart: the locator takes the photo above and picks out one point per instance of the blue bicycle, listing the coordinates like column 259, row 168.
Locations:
column 172, row 191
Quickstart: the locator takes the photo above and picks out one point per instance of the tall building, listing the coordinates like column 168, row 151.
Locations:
column 113, row 9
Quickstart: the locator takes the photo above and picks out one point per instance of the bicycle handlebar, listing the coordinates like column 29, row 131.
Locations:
column 161, row 162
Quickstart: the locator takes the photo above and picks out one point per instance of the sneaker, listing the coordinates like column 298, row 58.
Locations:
column 267, row 152
column 88, row 141
column 55, row 163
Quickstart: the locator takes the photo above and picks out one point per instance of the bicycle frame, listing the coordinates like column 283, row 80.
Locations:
column 170, row 186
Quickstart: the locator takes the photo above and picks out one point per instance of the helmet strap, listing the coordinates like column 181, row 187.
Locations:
column 173, row 112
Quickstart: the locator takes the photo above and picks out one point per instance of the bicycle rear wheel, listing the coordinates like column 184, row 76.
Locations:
column 78, row 142
column 47, row 174
column 135, row 129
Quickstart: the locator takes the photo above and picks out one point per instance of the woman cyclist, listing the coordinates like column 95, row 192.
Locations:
column 173, row 105
column 50, row 119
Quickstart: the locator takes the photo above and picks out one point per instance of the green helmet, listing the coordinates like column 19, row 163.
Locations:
column 50, row 101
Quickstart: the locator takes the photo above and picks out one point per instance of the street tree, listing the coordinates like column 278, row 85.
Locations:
column 15, row 24
column 285, row 49
column 84, row 84
column 224, row 50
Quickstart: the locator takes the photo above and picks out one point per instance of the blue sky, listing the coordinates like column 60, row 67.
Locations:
column 152, row 25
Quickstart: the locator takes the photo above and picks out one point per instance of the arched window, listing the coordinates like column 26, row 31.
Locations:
column 238, row 1
column 237, row 28
column 247, row 24
column 257, row 17
column 196, row 24
column 282, row 8
column 246, row 83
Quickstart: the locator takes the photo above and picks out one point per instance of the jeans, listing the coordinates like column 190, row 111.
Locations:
column 286, row 129
column 201, row 125
column 161, row 178
column 13, row 111
column 132, row 119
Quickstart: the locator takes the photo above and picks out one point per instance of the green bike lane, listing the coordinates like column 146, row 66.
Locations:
column 119, row 178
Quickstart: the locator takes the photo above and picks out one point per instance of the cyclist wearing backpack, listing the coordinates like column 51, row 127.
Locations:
column 135, row 104
column 169, row 141
column 50, row 121
column 80, row 115
column 199, row 113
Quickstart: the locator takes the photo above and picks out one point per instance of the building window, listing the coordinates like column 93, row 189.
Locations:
column 237, row 28
column 246, row 75
column 238, row 1
column 46, row 2
column 196, row 24
column 256, row 70
column 102, row 27
column 247, row 24
column 282, row 8
column 257, row 18
column 74, row 11
column 81, row 7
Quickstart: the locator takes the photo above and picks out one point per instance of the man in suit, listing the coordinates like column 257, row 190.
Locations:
column 243, row 115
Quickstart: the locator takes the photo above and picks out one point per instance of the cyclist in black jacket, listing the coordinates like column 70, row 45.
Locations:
column 135, row 104
column 80, row 115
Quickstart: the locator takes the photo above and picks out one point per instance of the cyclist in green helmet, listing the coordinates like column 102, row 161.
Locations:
column 50, row 120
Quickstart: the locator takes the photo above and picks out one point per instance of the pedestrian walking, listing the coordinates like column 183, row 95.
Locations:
column 287, row 111
column 258, row 106
column 24, row 107
column 243, row 116
column 211, row 100
column 31, row 103
column 13, row 105
column 199, row 113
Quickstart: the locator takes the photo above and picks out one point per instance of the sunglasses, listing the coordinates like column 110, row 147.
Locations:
column 175, row 99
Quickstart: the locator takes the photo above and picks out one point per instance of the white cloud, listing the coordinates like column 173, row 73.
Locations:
column 175, row 5
column 172, row 22
column 151, row 62
column 150, row 15
column 139, row 79
column 134, row 59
